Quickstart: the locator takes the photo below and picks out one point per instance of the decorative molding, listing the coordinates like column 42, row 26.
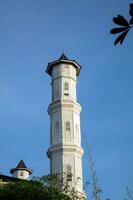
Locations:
column 54, row 106
column 65, row 149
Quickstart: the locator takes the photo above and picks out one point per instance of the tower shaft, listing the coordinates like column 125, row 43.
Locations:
column 65, row 151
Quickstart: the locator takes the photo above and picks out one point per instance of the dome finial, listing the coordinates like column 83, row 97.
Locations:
column 63, row 57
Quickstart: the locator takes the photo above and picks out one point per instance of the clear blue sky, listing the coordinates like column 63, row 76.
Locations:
column 33, row 33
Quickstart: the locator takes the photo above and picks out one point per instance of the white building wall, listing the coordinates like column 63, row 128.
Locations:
column 67, row 116
column 22, row 174
column 77, row 132
column 65, row 146
column 56, row 164
column 56, row 133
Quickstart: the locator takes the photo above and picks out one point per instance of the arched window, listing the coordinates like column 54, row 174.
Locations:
column 67, row 126
column 69, row 172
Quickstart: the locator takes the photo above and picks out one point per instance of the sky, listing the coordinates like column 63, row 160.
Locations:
column 33, row 33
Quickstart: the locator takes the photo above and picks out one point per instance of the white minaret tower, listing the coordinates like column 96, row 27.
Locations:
column 65, row 150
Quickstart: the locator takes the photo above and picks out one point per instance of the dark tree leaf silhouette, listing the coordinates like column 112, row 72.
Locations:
column 118, row 30
column 121, row 38
column 120, row 20
column 131, row 13
column 124, row 28
column 131, row 10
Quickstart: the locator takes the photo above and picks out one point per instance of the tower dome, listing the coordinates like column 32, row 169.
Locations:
column 21, row 171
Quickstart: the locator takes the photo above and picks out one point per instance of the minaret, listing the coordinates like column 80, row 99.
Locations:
column 65, row 150
column 21, row 171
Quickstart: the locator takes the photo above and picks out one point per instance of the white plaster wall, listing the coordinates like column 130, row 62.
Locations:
column 17, row 174
column 56, row 71
column 56, row 163
column 78, row 172
column 72, row 88
column 61, row 116
column 59, row 160
column 64, row 70
column 60, row 74
column 67, row 115
column 76, row 163
column 56, row 117
column 73, row 72
column 69, row 159
column 77, row 132
column 56, row 89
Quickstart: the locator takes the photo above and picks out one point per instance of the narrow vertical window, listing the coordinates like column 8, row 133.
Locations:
column 66, row 88
column 67, row 131
column 67, row 126
column 21, row 173
column 69, row 172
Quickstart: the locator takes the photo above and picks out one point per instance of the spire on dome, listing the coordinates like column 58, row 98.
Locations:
column 63, row 57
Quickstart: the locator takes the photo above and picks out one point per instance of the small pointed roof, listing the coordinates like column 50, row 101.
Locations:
column 62, row 59
column 21, row 166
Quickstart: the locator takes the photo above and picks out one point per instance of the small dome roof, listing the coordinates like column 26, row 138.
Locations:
column 21, row 166
column 62, row 59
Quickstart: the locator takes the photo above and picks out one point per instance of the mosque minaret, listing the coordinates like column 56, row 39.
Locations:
column 65, row 151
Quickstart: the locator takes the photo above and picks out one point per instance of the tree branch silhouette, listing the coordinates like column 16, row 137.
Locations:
column 124, row 26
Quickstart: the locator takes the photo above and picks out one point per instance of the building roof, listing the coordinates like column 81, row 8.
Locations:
column 62, row 59
column 4, row 178
column 21, row 166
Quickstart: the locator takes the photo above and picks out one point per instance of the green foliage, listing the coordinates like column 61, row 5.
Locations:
column 50, row 187
column 60, row 182
column 124, row 24
column 41, row 189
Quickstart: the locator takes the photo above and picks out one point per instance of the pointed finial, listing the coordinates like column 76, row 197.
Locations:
column 63, row 57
